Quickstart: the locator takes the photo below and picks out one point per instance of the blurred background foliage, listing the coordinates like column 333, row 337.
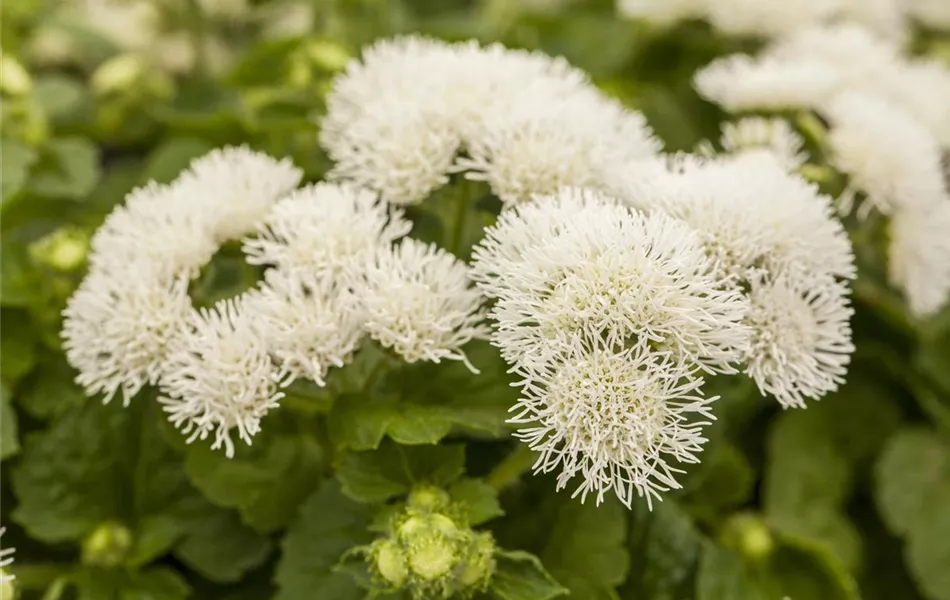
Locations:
column 847, row 499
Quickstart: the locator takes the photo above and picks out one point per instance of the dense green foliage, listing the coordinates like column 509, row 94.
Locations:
column 848, row 499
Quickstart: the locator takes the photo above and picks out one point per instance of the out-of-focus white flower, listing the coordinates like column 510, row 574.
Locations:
column 225, row 9
column 219, row 376
column 934, row 14
column 921, row 87
column 886, row 17
column 766, row 19
column 742, row 83
column 309, row 323
column 661, row 12
column 919, row 256
column 801, row 337
column 619, row 420
column 6, row 559
column 238, row 186
column 755, row 134
column 325, row 229
column 160, row 226
column 609, row 275
column 117, row 330
column 887, row 153
column 751, row 214
column 537, row 149
column 418, row 300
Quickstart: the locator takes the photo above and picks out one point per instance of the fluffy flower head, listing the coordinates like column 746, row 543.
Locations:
column 919, row 256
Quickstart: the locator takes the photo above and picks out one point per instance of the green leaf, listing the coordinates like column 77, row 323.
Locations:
column 521, row 576
column 478, row 499
column 928, row 550
column 17, row 345
column 265, row 482
column 157, row 583
column 392, row 470
column 9, row 440
column 723, row 576
column 171, row 157
column 221, row 548
column 912, row 474
column 664, row 549
column 14, row 168
column 69, row 169
column 328, row 525
column 51, row 390
column 727, row 481
column 586, row 551
column 101, row 463
column 58, row 96
column 18, row 274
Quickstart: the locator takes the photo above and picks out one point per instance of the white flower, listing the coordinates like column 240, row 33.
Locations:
column 922, row 87
column 238, row 186
column 117, row 330
column 418, row 300
column 309, row 323
column 751, row 215
column 740, row 83
column 919, row 256
column 219, row 376
column 889, row 156
column 934, row 14
column 886, row 17
column 619, row 420
column 158, row 226
column 537, row 149
column 325, row 230
column 801, row 340
column 661, row 12
column 6, row 559
column 608, row 275
column 774, row 135
column 766, row 19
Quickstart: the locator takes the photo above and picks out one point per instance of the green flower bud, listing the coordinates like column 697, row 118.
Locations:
column 7, row 586
column 479, row 564
column 432, row 558
column 329, row 55
column 750, row 535
column 65, row 249
column 428, row 499
column 14, row 80
column 107, row 546
column 390, row 561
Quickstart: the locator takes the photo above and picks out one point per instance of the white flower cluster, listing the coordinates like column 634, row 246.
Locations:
column 758, row 18
column 333, row 275
column 889, row 129
column 611, row 316
column 524, row 122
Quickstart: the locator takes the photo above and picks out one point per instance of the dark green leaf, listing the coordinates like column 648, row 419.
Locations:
column 170, row 158
column 664, row 551
column 59, row 96
column 392, row 470
column 69, row 169
column 221, row 548
column 928, row 549
column 328, row 525
column 521, row 576
column 157, row 583
column 51, row 390
column 9, row 438
column 912, row 472
column 478, row 499
column 17, row 160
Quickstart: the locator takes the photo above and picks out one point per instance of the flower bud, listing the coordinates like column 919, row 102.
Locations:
column 479, row 564
column 390, row 562
column 433, row 557
column 119, row 74
column 428, row 499
column 65, row 249
column 750, row 535
column 107, row 545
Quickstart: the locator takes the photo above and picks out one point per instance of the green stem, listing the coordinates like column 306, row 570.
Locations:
column 510, row 470
column 466, row 194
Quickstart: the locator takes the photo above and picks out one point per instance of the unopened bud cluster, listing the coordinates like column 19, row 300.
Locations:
column 431, row 552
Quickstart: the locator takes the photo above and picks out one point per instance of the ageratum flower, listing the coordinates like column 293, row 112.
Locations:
column 758, row 134
column 919, row 256
column 619, row 419
column 6, row 559
column 608, row 275
column 418, row 300
column 219, row 376
column 325, row 229
column 801, row 340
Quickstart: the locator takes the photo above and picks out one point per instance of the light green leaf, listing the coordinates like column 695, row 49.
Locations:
column 9, row 438
column 69, row 169
column 328, row 525
column 478, row 499
column 912, row 472
column 14, row 168
column 664, row 549
column 392, row 470
column 157, row 583
column 521, row 576
column 265, row 482
column 221, row 548
column 586, row 551
column 59, row 96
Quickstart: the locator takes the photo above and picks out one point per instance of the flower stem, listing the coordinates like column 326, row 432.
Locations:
column 466, row 193
column 510, row 470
